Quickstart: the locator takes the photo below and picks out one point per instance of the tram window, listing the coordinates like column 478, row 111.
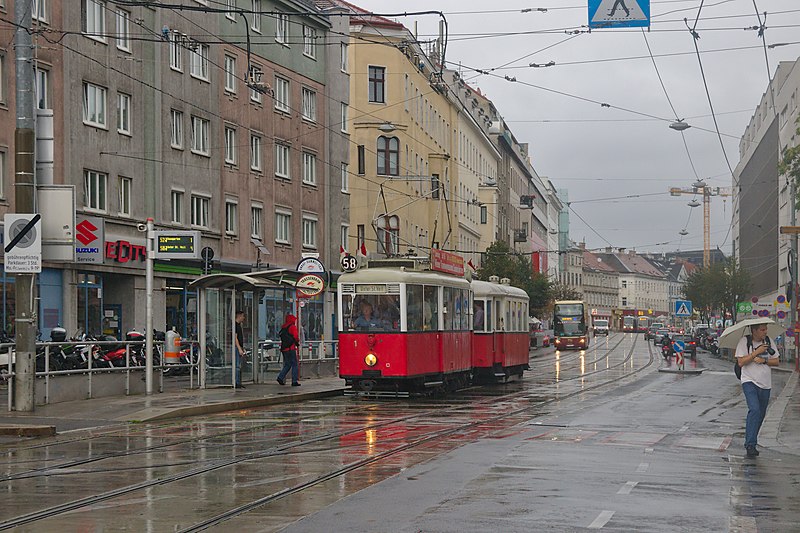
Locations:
column 414, row 305
column 430, row 308
column 371, row 312
column 498, row 316
column 488, row 315
column 478, row 315
column 452, row 309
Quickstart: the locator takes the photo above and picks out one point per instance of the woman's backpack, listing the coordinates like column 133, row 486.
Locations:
column 287, row 339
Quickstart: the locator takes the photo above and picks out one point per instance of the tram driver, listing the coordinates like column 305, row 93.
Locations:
column 366, row 320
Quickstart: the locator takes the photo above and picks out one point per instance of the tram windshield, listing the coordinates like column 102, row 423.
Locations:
column 371, row 312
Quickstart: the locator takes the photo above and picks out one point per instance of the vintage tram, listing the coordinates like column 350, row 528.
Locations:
column 406, row 327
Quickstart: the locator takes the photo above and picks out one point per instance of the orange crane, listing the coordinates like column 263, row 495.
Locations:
column 700, row 188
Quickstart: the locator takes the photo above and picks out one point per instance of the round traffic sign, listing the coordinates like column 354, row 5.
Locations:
column 310, row 285
column 207, row 253
column 349, row 263
column 28, row 237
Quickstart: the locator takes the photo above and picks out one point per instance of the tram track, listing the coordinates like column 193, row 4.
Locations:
column 292, row 448
column 63, row 468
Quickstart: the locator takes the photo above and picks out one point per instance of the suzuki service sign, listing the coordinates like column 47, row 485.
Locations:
column 89, row 239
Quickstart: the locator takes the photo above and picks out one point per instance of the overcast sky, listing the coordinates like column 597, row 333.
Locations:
column 601, row 154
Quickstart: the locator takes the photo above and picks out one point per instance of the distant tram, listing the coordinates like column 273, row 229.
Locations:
column 570, row 325
column 629, row 324
column 406, row 329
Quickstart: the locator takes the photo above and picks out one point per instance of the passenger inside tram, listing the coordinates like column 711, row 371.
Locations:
column 372, row 313
column 477, row 315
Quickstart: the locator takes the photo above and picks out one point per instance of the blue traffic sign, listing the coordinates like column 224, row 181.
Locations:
column 683, row 308
column 679, row 346
column 619, row 14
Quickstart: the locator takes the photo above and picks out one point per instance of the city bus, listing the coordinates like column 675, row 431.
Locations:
column 570, row 325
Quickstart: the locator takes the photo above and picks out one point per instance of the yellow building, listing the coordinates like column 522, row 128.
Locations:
column 402, row 174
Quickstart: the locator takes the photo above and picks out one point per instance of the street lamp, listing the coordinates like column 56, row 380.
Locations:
column 387, row 127
column 694, row 203
column 679, row 125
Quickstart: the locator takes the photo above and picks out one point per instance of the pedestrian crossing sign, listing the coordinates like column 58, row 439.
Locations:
column 619, row 14
column 683, row 308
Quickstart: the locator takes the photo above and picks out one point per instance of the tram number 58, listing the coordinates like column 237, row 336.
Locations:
column 349, row 263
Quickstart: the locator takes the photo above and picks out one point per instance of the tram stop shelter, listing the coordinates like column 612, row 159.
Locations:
column 219, row 297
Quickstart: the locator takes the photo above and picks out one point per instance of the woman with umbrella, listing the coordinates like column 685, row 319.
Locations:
column 755, row 355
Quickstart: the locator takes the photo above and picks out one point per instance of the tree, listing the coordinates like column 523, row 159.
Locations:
column 561, row 291
column 718, row 287
column 737, row 285
column 790, row 164
column 501, row 261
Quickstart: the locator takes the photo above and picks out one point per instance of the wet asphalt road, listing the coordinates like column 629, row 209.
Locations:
column 598, row 440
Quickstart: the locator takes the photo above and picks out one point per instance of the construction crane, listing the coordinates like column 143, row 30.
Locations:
column 700, row 188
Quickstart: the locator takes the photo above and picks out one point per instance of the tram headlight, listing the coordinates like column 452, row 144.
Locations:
column 370, row 359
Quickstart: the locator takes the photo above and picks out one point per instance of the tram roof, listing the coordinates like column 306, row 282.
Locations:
column 487, row 288
column 279, row 277
column 394, row 275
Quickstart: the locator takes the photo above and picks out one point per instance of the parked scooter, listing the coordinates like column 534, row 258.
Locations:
column 712, row 344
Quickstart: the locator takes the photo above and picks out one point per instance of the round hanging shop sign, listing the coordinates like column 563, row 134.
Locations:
column 309, row 285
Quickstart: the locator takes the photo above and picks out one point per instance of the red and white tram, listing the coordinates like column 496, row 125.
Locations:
column 407, row 329
column 500, row 340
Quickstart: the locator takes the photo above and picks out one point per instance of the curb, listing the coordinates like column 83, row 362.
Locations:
column 27, row 430
column 772, row 422
column 151, row 415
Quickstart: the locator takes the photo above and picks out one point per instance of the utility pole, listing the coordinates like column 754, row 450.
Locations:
column 24, row 202
column 701, row 188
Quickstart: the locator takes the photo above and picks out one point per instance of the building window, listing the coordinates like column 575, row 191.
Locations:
column 177, row 207
column 94, row 190
column 624, row 301
column 94, row 22
column 389, row 234
column 125, row 186
column 255, row 153
column 256, row 212
column 343, row 57
column 255, row 24
column 283, row 222
column 123, row 30
column 624, row 284
column 198, row 62
column 42, row 88
column 377, row 84
column 2, row 79
column 345, row 110
column 230, row 74
column 345, row 178
column 2, row 174
column 255, row 95
column 309, row 105
column 175, row 54
column 309, row 168
column 310, row 41
column 231, row 221
column 94, row 105
column 282, row 27
column 484, row 214
column 231, row 13
column 124, row 113
column 200, row 211
column 282, row 160
column 361, row 236
column 435, row 186
column 200, row 129
column 230, row 146
column 309, row 232
column 388, row 156
column 362, row 160
column 281, row 94
column 345, row 236
column 177, row 129
column 38, row 10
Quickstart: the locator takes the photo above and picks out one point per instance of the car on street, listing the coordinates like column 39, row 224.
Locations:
column 600, row 327
column 690, row 346
column 658, row 337
column 651, row 331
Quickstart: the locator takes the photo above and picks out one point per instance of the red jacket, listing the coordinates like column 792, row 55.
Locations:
column 291, row 324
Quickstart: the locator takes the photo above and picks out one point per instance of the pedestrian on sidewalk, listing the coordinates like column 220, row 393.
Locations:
column 239, row 348
column 290, row 341
column 756, row 355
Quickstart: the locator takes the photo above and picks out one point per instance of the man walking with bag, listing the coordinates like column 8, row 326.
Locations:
column 756, row 355
column 290, row 341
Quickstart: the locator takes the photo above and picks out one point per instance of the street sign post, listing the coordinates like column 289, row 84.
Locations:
column 23, row 243
column 683, row 308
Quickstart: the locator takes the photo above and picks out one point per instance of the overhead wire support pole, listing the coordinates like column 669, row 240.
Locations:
column 24, row 202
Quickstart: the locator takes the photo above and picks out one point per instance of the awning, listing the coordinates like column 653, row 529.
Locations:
column 280, row 277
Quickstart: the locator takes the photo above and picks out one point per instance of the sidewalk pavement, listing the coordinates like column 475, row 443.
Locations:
column 98, row 413
column 781, row 428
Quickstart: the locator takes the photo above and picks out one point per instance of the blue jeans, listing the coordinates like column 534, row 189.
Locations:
column 757, row 400
column 290, row 363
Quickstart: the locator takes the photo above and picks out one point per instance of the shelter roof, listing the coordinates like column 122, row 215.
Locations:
column 280, row 277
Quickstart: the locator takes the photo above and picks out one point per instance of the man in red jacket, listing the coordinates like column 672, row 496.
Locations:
column 290, row 340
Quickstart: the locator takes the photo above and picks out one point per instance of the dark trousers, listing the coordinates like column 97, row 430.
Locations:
column 290, row 363
column 239, row 360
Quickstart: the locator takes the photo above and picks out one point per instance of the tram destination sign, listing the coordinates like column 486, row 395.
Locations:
column 177, row 244
column 447, row 262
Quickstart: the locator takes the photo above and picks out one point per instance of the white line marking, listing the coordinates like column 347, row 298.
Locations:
column 643, row 467
column 627, row 487
column 649, row 450
column 683, row 429
column 601, row 520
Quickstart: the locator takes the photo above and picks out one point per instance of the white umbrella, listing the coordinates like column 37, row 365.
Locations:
column 732, row 335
